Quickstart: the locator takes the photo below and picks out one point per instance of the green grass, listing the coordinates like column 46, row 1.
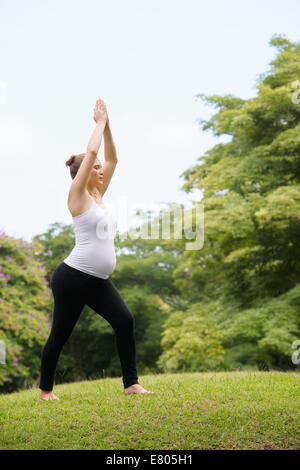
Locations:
column 222, row 410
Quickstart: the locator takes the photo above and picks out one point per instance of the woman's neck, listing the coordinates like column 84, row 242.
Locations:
column 94, row 192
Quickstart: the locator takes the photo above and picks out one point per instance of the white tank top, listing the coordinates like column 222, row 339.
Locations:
column 94, row 250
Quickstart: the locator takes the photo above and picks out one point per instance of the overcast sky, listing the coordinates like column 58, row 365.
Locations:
column 147, row 60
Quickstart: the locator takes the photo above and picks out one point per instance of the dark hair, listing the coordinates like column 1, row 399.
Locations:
column 74, row 163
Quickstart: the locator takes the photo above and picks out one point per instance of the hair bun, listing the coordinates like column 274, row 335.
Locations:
column 70, row 160
column 74, row 163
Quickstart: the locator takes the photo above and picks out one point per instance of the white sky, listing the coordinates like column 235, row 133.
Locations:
column 147, row 60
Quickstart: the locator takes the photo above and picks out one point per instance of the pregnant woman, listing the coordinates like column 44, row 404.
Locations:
column 83, row 277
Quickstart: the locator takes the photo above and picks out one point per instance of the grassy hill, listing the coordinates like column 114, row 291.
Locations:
column 222, row 410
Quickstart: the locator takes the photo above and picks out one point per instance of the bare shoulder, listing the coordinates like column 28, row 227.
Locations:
column 78, row 201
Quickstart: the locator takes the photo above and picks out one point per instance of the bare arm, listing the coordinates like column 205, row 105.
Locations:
column 110, row 153
column 81, row 179
column 111, row 159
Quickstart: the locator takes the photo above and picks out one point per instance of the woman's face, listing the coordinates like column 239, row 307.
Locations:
column 96, row 175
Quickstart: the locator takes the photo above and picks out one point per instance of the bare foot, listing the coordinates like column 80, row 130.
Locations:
column 135, row 388
column 48, row 395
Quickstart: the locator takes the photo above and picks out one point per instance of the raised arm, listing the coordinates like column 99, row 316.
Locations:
column 81, row 179
column 111, row 159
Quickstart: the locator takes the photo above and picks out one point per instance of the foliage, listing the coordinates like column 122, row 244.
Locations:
column 251, row 195
column 191, row 341
column 24, row 320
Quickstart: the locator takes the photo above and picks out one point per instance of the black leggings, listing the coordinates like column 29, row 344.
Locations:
column 72, row 289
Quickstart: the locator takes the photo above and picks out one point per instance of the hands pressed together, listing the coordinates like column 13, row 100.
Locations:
column 100, row 112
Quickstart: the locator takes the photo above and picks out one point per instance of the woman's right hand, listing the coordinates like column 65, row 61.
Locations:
column 100, row 112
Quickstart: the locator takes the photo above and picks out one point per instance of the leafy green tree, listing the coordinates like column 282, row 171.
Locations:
column 251, row 194
column 24, row 311
column 191, row 341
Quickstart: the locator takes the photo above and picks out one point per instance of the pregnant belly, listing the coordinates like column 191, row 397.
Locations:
column 94, row 260
column 103, row 260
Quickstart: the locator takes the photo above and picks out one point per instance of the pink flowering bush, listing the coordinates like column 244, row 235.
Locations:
column 25, row 306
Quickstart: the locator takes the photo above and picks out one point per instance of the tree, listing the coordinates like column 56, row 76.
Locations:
column 24, row 311
column 191, row 340
column 251, row 195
